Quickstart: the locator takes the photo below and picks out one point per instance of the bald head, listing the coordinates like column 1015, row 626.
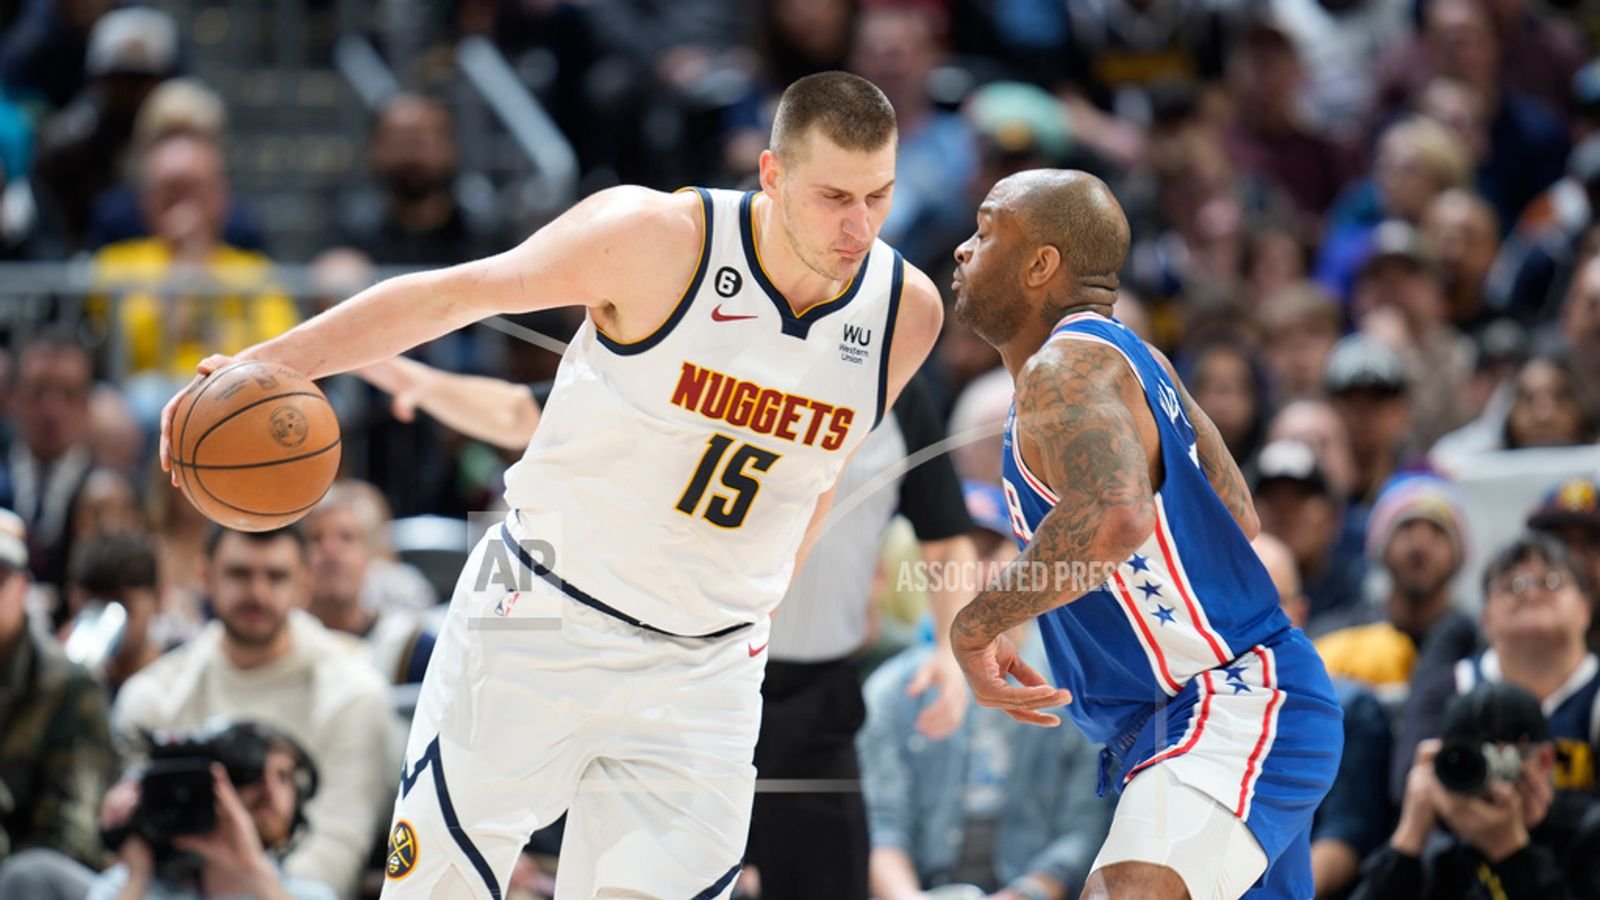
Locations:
column 1074, row 212
column 1279, row 562
column 1048, row 241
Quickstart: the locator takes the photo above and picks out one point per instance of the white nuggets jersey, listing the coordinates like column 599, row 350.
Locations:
column 681, row 469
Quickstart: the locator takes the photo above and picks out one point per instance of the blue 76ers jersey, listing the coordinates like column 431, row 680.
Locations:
column 1192, row 598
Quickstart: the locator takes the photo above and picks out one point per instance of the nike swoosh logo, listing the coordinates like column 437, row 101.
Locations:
column 754, row 651
column 717, row 315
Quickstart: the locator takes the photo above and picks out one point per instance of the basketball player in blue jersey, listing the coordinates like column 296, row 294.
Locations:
column 736, row 349
column 1162, row 628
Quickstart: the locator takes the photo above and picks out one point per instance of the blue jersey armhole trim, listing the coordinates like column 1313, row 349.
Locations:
column 896, row 286
column 630, row 348
column 793, row 325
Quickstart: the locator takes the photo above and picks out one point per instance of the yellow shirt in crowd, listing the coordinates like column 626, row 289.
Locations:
column 164, row 329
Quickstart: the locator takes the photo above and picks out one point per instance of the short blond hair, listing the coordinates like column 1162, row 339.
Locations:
column 1439, row 147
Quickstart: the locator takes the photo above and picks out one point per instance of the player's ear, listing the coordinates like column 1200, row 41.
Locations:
column 1042, row 266
column 771, row 171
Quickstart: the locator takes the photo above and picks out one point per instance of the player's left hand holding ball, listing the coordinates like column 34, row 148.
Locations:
column 986, row 666
column 206, row 367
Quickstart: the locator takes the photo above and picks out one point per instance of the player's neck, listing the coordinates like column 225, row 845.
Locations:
column 801, row 285
column 1014, row 354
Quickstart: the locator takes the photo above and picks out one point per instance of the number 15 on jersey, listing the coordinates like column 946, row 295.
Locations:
column 726, row 510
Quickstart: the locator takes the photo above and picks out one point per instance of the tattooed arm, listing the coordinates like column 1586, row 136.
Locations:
column 1215, row 458
column 1074, row 423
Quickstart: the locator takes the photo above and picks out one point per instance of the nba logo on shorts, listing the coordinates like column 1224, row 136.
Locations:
column 402, row 855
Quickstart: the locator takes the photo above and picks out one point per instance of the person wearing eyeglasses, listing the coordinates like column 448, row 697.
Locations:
column 1536, row 612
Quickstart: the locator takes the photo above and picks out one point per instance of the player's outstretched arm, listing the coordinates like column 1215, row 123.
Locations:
column 492, row 410
column 1074, row 423
column 620, row 253
column 614, row 244
column 1216, row 460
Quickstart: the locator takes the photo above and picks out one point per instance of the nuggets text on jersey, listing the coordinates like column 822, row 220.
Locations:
column 745, row 404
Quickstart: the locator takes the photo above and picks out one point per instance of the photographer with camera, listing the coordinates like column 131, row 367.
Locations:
column 267, row 660
column 1536, row 615
column 210, row 816
column 1487, row 780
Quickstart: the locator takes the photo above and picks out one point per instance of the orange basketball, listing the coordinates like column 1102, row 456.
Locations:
column 255, row 445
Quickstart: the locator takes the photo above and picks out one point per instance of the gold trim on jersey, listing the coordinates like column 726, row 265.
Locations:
column 818, row 309
column 684, row 300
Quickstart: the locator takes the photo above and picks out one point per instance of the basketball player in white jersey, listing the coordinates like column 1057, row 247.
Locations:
column 736, row 349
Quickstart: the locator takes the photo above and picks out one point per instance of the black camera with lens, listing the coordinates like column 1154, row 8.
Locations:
column 1484, row 734
column 1463, row 767
column 176, row 793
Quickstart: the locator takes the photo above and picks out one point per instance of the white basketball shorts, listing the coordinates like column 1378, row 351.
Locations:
column 534, row 705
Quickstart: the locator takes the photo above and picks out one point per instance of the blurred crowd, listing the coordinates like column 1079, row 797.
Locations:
column 1366, row 231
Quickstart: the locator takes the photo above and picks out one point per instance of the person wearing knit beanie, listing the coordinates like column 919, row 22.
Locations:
column 1418, row 534
column 1411, row 497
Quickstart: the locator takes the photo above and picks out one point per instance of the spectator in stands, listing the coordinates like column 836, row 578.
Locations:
column 1417, row 533
column 186, row 292
column 1299, row 326
column 176, row 106
column 1493, row 389
column 83, row 149
column 256, row 821
column 1580, row 325
column 1229, row 385
column 42, row 48
column 112, row 599
column 1545, row 253
column 1551, row 407
column 342, row 551
column 978, row 422
column 1461, row 229
column 1399, row 299
column 1369, row 388
column 897, row 47
column 1462, row 108
column 1503, row 842
column 1340, row 41
column 1299, row 507
column 1540, row 54
column 417, row 217
column 50, row 461
column 55, row 745
column 1205, row 205
column 1315, row 423
column 178, row 532
column 1416, row 160
column 1354, row 816
column 1276, row 260
column 997, row 804
column 107, row 504
column 796, row 38
column 1124, row 55
column 1527, row 143
column 22, row 235
column 1570, row 513
column 389, row 583
column 266, row 660
column 1267, row 135
column 115, row 440
column 1537, row 610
